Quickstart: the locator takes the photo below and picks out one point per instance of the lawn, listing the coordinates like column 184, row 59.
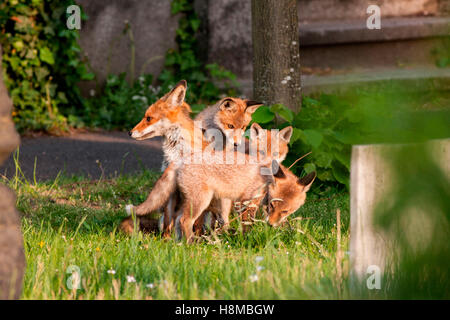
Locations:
column 73, row 222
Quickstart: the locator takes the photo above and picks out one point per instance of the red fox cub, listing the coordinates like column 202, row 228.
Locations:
column 264, row 144
column 229, row 116
column 287, row 194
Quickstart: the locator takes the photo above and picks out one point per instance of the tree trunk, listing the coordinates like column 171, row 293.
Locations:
column 276, row 52
column 12, row 257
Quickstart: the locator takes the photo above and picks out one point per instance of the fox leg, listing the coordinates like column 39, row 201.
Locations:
column 198, row 224
column 225, row 212
column 160, row 193
column 169, row 215
column 193, row 207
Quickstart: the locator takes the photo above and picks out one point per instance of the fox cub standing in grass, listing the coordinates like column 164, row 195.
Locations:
column 199, row 182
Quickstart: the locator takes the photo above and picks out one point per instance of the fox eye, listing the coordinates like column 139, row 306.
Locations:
column 230, row 126
column 149, row 118
column 285, row 212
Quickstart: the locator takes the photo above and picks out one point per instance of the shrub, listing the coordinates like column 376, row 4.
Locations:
column 41, row 63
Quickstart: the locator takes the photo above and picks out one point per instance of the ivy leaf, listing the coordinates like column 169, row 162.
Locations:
column 195, row 24
column 41, row 73
column 88, row 76
column 263, row 115
column 46, row 55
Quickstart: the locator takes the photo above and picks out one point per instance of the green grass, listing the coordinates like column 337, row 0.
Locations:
column 71, row 221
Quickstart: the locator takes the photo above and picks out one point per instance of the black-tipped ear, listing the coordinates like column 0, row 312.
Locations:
column 252, row 106
column 277, row 171
column 227, row 104
column 255, row 130
column 176, row 96
column 307, row 181
column 286, row 133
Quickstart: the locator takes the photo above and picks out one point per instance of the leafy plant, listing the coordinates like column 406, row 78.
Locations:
column 316, row 130
column 41, row 63
column 121, row 105
column 329, row 125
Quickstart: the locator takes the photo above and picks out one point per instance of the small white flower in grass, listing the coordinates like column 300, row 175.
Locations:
column 254, row 278
column 150, row 285
column 283, row 81
column 259, row 259
column 111, row 271
column 131, row 279
column 259, row 268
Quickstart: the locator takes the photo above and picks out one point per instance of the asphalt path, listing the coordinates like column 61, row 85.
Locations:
column 90, row 154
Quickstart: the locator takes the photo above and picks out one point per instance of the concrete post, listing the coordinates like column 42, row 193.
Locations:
column 370, row 183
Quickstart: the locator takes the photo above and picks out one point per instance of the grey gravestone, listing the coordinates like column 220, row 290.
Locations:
column 12, row 257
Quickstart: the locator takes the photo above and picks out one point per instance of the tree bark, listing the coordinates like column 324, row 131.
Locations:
column 276, row 53
column 12, row 257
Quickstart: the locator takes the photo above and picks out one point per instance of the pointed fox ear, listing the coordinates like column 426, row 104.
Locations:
column 176, row 96
column 307, row 181
column 255, row 130
column 286, row 133
column 252, row 106
column 277, row 171
column 227, row 104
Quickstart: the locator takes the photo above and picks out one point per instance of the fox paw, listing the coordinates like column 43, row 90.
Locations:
column 129, row 208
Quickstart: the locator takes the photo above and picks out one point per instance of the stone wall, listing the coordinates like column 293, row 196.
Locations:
column 229, row 24
column 225, row 37
column 12, row 258
column 109, row 50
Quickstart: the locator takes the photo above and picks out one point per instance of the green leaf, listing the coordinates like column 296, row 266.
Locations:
column 88, row 76
column 46, row 55
column 283, row 112
column 309, row 167
column 263, row 115
column 296, row 134
column 313, row 137
column 341, row 173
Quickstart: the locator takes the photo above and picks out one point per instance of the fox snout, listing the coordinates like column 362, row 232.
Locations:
column 236, row 137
